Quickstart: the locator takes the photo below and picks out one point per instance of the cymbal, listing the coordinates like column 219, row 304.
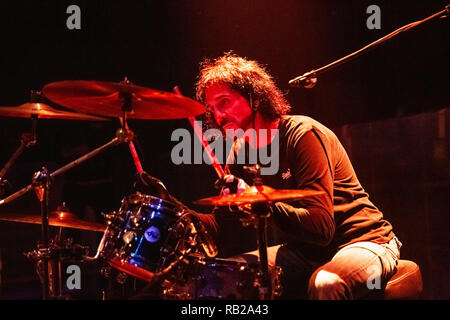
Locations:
column 56, row 219
column 106, row 99
column 253, row 195
column 44, row 111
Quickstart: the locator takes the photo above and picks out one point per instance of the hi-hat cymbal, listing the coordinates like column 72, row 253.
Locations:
column 44, row 111
column 108, row 98
column 56, row 219
column 253, row 195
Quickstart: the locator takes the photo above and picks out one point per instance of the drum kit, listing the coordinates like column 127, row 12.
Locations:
column 148, row 238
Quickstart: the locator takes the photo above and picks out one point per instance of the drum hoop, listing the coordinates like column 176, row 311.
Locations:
column 157, row 203
column 130, row 269
column 222, row 262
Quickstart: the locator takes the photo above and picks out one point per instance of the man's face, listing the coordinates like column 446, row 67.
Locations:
column 231, row 110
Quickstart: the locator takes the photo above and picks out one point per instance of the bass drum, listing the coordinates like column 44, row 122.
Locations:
column 220, row 279
column 149, row 236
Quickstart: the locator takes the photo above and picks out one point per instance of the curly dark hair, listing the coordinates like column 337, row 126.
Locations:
column 246, row 76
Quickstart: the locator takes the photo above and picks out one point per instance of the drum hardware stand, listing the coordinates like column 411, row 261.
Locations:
column 127, row 101
column 1, row 273
column 49, row 264
column 49, row 256
column 27, row 140
column 41, row 184
column 121, row 136
column 261, row 210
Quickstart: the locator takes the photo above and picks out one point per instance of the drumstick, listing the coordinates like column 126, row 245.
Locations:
column 231, row 155
column 134, row 154
column 199, row 133
column 212, row 157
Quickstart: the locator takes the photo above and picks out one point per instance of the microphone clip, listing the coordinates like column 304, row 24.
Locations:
column 307, row 80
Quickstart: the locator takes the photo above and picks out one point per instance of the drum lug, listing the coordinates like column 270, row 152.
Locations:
column 192, row 241
column 129, row 236
column 164, row 250
column 240, row 284
column 199, row 278
column 105, row 271
column 121, row 277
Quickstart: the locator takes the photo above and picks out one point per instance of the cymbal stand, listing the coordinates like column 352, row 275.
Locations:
column 136, row 160
column 49, row 264
column 127, row 107
column 261, row 211
column 27, row 140
column 121, row 136
column 49, row 256
column 41, row 184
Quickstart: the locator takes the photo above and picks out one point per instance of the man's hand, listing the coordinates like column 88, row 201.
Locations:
column 148, row 184
column 234, row 185
column 230, row 184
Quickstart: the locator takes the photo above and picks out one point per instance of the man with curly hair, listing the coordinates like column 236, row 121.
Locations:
column 335, row 246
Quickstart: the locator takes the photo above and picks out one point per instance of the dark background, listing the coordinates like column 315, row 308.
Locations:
column 388, row 107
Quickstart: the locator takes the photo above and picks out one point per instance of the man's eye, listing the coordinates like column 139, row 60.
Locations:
column 224, row 102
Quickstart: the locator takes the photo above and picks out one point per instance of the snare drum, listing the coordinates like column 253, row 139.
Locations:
column 146, row 236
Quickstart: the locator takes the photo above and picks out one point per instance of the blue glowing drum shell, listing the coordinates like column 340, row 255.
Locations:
column 144, row 236
column 225, row 279
column 220, row 279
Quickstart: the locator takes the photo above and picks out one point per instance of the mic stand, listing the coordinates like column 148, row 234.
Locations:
column 309, row 79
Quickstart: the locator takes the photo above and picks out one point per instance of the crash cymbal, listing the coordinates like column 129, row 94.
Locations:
column 108, row 98
column 253, row 195
column 56, row 219
column 44, row 111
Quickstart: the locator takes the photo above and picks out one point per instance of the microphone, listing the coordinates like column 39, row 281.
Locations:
column 307, row 80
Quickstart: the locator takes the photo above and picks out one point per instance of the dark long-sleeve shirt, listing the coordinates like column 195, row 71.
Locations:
column 312, row 158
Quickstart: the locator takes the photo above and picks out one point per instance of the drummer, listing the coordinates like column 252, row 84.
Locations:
column 337, row 245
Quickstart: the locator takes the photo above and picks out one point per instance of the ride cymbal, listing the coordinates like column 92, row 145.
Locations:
column 111, row 99
column 253, row 195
